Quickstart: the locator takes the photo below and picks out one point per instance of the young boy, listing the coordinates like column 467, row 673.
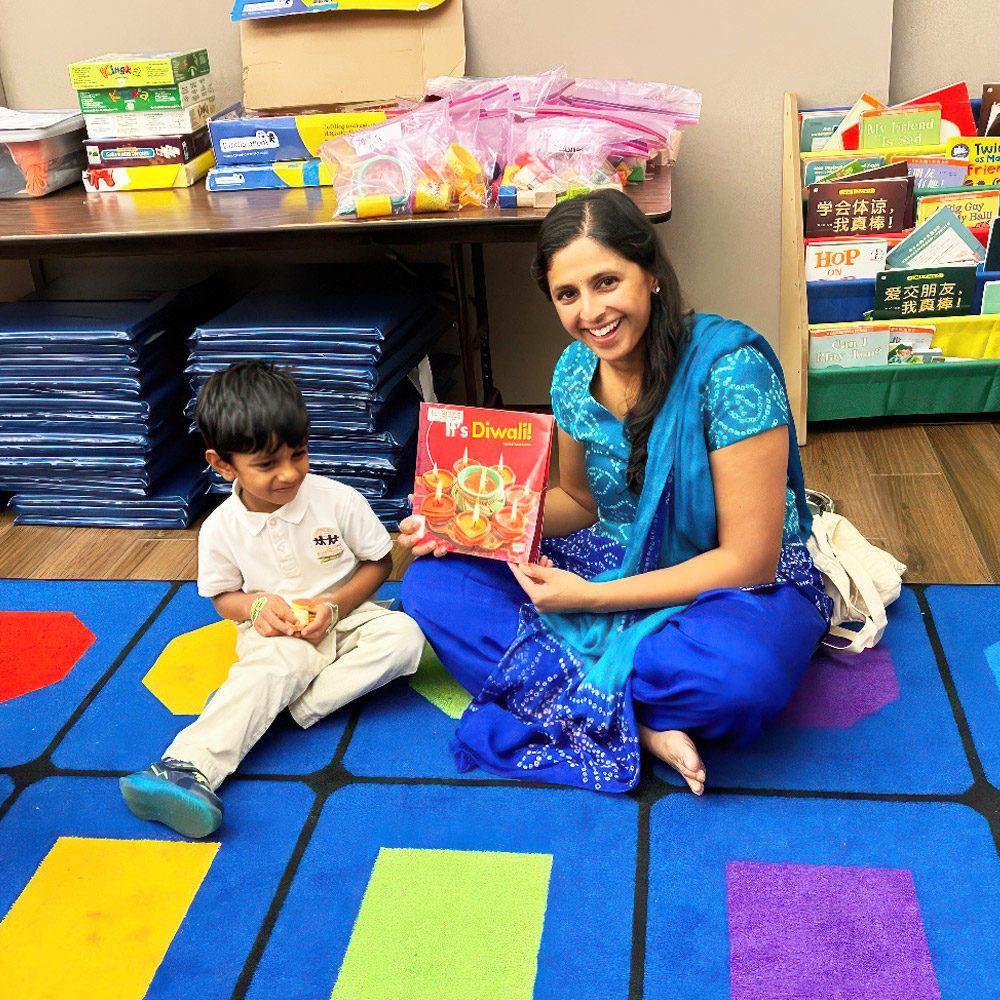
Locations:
column 283, row 536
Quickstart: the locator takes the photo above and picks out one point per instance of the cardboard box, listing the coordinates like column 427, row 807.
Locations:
column 147, row 150
column 239, row 137
column 316, row 59
column 151, row 178
column 257, row 176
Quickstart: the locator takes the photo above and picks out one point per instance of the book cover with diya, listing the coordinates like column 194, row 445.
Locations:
column 481, row 476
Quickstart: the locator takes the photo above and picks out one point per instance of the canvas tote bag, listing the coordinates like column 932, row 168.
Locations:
column 859, row 577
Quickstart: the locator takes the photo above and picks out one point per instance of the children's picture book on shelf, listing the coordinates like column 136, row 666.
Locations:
column 893, row 128
column 481, row 478
column 835, row 169
column 918, row 337
column 942, row 291
column 940, row 239
column 973, row 209
column 832, row 260
column 991, row 95
column 863, row 209
column 817, row 127
column 956, row 114
column 991, row 298
column 864, row 103
column 992, row 262
column 848, row 345
column 932, row 173
column 983, row 155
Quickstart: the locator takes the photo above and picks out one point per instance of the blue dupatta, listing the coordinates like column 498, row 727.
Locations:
column 558, row 707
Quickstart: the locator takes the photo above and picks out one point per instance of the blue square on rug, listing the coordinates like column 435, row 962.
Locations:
column 967, row 620
column 164, row 683
column 434, row 893
column 404, row 729
column 878, row 721
column 95, row 902
column 57, row 640
column 808, row 897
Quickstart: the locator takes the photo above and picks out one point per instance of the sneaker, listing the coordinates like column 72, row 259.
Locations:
column 175, row 793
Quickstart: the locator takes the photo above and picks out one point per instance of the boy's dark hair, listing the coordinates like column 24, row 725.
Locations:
column 249, row 407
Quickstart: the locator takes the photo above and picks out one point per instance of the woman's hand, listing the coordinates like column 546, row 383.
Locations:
column 412, row 529
column 551, row 589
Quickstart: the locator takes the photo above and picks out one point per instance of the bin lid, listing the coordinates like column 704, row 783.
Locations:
column 23, row 126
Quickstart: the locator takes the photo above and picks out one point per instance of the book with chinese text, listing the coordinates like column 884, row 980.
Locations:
column 919, row 292
column 481, row 478
column 868, row 208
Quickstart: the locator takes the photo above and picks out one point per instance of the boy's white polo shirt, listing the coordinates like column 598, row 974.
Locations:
column 307, row 547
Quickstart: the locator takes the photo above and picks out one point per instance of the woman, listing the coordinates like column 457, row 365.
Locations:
column 675, row 597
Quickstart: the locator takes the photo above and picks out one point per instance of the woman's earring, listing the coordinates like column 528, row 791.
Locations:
column 656, row 289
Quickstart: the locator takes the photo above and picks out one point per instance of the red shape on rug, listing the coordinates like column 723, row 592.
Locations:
column 38, row 648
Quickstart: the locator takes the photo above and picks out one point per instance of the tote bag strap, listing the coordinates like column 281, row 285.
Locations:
column 873, row 622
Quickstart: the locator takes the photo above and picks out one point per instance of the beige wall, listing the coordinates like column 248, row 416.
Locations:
column 935, row 44
column 724, row 233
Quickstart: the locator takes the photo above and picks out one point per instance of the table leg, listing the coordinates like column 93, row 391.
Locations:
column 466, row 335
column 491, row 395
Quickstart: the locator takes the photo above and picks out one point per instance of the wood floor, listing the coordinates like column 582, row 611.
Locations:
column 930, row 494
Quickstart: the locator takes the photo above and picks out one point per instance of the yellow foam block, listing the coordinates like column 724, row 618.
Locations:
column 97, row 918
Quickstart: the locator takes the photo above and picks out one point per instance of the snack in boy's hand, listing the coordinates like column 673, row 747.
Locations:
column 303, row 615
column 481, row 476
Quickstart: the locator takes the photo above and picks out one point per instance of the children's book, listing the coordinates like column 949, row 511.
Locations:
column 972, row 209
column 848, row 345
column 940, row 239
column 991, row 298
column 918, row 337
column 481, row 478
column 818, row 126
column 864, row 103
column 991, row 95
column 992, row 262
column 876, row 173
column 915, row 292
column 872, row 208
column 829, row 260
column 983, row 155
column 934, row 172
column 956, row 114
column 894, row 128
column 815, row 171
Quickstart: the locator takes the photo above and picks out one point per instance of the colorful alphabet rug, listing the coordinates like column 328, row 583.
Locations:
column 851, row 852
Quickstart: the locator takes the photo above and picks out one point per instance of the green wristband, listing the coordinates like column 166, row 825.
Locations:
column 256, row 608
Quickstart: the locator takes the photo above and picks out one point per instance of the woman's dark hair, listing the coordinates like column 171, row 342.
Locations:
column 249, row 407
column 613, row 220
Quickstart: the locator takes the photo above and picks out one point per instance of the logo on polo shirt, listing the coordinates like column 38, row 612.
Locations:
column 327, row 544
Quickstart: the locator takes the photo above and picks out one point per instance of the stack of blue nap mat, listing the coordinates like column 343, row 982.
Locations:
column 351, row 355
column 91, row 413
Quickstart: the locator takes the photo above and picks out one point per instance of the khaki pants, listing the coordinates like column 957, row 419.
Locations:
column 367, row 649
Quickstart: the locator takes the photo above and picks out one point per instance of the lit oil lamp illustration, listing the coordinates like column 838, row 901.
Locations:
column 521, row 497
column 471, row 526
column 480, row 485
column 506, row 472
column 438, row 507
column 464, row 462
column 438, row 478
column 509, row 523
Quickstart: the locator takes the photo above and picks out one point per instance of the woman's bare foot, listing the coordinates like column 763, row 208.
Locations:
column 676, row 748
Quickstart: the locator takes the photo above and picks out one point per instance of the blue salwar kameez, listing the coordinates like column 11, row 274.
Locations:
column 557, row 698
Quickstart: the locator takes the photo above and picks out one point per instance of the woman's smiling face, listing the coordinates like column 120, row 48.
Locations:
column 602, row 298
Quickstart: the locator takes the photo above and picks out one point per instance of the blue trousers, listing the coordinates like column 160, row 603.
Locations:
column 719, row 669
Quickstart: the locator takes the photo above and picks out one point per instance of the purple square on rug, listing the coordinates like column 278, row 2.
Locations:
column 797, row 932
column 838, row 690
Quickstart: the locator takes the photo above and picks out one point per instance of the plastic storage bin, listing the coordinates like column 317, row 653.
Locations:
column 40, row 151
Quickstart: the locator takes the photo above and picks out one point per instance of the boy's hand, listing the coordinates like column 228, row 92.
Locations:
column 320, row 623
column 275, row 617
